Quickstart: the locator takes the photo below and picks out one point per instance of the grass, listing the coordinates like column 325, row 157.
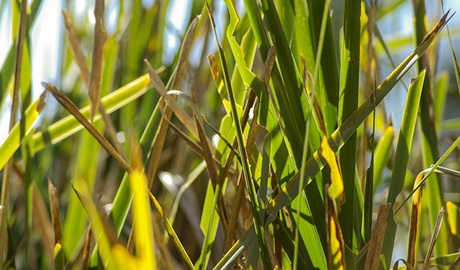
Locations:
column 264, row 141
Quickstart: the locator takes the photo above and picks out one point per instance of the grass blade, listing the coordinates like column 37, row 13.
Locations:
column 143, row 234
column 96, row 69
column 21, row 129
column 349, row 93
column 180, row 248
column 255, row 204
column 349, row 126
column 434, row 237
column 113, row 101
column 67, row 103
column 406, row 135
column 377, row 237
column 434, row 192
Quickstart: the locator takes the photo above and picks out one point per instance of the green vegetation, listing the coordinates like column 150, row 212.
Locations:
column 263, row 142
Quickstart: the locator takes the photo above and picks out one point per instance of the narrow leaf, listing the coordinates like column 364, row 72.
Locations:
column 434, row 237
column 349, row 126
column 336, row 188
column 377, row 236
column 336, row 247
column 21, row 129
column 143, row 234
column 96, row 69
column 69, row 125
column 69, row 106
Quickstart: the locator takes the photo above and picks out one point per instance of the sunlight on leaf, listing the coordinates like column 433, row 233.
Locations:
column 336, row 188
column 143, row 235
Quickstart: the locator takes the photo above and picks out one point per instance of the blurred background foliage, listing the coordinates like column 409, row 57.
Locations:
column 330, row 57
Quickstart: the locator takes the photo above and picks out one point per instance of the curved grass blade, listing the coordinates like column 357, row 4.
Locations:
column 433, row 168
column 336, row 246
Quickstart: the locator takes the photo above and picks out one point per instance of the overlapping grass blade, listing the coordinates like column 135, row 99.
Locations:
column 434, row 237
column 405, row 139
column 255, row 203
column 69, row 106
column 105, row 238
column 349, row 126
column 349, row 93
column 21, row 129
column 113, row 101
column 434, row 191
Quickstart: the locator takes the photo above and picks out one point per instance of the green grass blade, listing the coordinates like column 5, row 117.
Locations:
column 382, row 154
column 434, row 194
column 143, row 234
column 75, row 222
column 21, row 129
column 255, row 204
column 112, row 102
column 349, row 93
column 406, row 135
column 442, row 86
column 328, row 96
column 237, row 249
column 180, row 248
column 349, row 126
column 98, row 224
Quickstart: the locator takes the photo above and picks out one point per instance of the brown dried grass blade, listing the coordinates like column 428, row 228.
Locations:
column 434, row 236
column 160, row 139
column 377, row 236
column 170, row 101
column 86, row 249
column 96, row 68
column 42, row 222
column 414, row 221
column 69, row 106
column 54, row 207
column 75, row 47
column 208, row 156
column 80, row 59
